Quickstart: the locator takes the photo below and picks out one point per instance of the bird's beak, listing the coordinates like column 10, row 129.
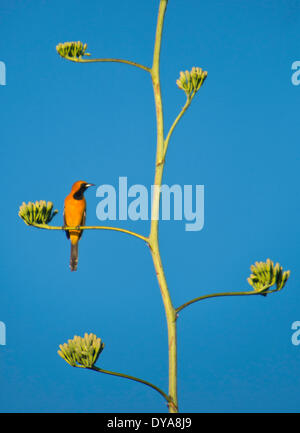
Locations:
column 89, row 184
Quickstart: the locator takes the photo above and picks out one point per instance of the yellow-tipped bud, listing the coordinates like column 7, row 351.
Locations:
column 39, row 212
column 81, row 351
column 191, row 81
column 72, row 50
column 265, row 275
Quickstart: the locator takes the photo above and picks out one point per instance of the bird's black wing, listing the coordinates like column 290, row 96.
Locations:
column 82, row 223
column 66, row 231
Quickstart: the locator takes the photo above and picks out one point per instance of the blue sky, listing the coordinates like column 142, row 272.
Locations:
column 61, row 122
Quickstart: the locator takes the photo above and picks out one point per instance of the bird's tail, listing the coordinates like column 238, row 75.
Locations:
column 74, row 256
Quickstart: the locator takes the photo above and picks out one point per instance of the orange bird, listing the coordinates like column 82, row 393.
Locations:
column 74, row 216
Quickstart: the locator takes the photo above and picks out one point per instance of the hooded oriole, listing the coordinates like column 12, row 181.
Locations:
column 74, row 216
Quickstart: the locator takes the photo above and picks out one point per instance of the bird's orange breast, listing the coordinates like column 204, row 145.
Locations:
column 74, row 215
column 74, row 210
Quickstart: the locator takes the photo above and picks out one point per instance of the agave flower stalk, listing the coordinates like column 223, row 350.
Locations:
column 265, row 277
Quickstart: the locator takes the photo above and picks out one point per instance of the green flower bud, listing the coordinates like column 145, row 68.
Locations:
column 72, row 50
column 191, row 81
column 265, row 275
column 39, row 212
column 81, row 351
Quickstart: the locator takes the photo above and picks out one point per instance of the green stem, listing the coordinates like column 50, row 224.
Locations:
column 171, row 323
column 153, row 237
column 183, row 110
column 156, row 81
column 136, row 379
column 215, row 295
column 47, row 227
column 128, row 62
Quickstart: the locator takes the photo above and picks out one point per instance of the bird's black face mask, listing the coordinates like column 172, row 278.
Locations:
column 79, row 194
